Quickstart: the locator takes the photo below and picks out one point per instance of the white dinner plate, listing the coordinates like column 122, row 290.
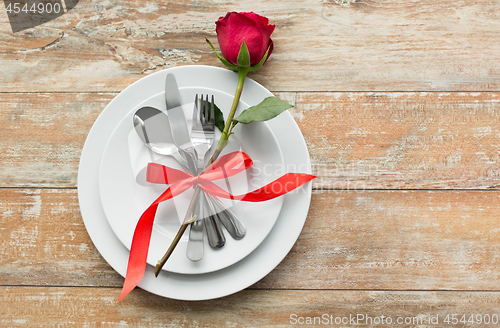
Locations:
column 124, row 199
column 237, row 276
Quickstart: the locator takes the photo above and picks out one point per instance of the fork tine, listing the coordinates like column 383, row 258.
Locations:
column 205, row 109
column 212, row 110
column 202, row 109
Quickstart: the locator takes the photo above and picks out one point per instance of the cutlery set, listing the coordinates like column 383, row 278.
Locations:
column 190, row 151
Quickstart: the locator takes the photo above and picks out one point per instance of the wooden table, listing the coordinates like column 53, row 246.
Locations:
column 398, row 101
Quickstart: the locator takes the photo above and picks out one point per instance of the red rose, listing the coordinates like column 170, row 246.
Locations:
column 236, row 28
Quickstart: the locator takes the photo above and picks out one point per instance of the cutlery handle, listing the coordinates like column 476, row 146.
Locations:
column 215, row 235
column 195, row 246
column 234, row 226
column 178, row 157
column 192, row 160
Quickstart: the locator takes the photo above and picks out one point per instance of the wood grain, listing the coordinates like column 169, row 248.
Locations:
column 403, row 240
column 43, row 134
column 357, row 141
column 402, row 140
column 97, row 307
column 330, row 45
column 44, row 241
column 417, row 240
column 398, row 102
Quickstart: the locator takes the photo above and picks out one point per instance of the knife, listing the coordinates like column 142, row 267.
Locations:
column 178, row 125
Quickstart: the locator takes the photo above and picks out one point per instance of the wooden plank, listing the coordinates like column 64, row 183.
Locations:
column 332, row 45
column 97, row 307
column 42, row 136
column 407, row 240
column 402, row 140
column 352, row 240
column 356, row 140
column 44, row 241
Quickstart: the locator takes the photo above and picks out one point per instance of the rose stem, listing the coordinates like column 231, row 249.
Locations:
column 220, row 146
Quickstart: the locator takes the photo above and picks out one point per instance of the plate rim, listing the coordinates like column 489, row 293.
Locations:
column 178, row 286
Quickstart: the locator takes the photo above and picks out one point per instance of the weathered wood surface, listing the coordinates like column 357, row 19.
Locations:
column 357, row 140
column 413, row 240
column 43, row 134
column 399, row 104
column 44, row 241
column 402, row 140
column 96, row 307
column 330, row 45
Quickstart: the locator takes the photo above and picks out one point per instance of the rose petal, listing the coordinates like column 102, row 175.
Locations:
column 232, row 30
column 267, row 31
column 259, row 20
column 235, row 27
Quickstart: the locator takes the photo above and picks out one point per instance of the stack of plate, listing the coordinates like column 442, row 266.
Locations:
column 112, row 197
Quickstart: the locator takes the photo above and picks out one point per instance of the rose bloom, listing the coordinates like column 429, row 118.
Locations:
column 250, row 27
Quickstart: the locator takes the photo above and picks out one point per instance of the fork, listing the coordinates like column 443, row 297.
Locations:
column 202, row 142
column 203, row 129
column 216, row 212
column 223, row 214
column 202, row 136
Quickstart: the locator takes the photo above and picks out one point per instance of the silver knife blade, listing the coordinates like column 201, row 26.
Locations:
column 177, row 120
column 178, row 124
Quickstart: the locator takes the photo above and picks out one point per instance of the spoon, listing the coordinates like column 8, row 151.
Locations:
column 155, row 122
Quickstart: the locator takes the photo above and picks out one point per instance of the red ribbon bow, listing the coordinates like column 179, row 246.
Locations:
column 180, row 181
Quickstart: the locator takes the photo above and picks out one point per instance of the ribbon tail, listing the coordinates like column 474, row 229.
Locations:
column 142, row 237
column 139, row 251
column 278, row 187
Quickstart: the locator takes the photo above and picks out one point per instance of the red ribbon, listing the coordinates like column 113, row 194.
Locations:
column 180, row 181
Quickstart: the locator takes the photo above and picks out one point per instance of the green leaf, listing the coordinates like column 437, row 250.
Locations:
column 243, row 56
column 219, row 116
column 219, row 119
column 266, row 110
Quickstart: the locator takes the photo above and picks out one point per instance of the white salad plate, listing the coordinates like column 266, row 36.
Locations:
column 124, row 199
column 241, row 274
